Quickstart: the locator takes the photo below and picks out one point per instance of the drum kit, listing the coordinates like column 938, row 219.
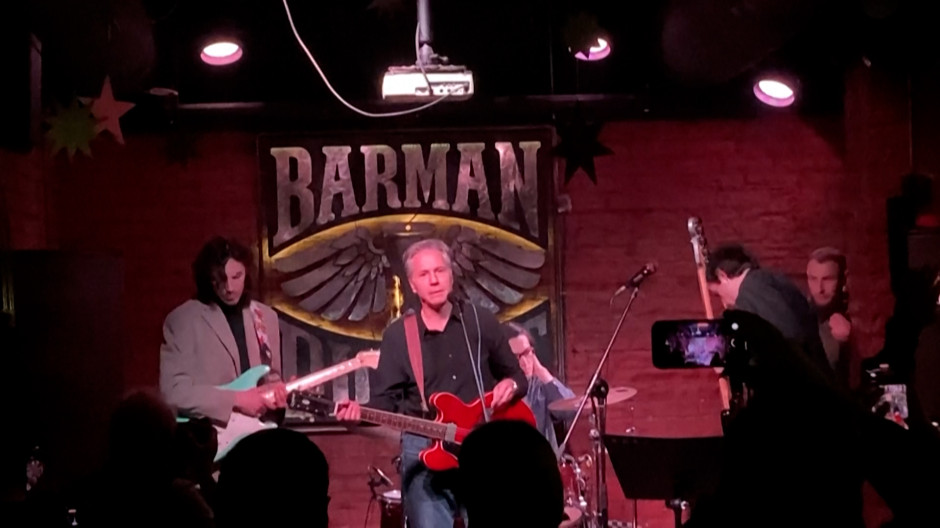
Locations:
column 581, row 492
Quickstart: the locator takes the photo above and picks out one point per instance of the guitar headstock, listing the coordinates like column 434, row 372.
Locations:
column 368, row 358
column 699, row 244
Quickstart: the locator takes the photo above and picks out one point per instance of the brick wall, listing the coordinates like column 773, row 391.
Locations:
column 23, row 219
column 776, row 183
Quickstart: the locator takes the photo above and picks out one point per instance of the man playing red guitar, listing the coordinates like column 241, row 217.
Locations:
column 463, row 351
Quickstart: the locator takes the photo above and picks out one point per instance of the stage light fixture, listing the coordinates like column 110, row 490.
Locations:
column 775, row 90
column 596, row 52
column 220, row 52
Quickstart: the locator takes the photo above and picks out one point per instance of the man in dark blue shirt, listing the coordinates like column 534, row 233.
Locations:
column 464, row 352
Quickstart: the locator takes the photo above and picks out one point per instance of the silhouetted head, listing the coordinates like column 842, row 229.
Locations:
column 140, row 440
column 275, row 477
column 509, row 477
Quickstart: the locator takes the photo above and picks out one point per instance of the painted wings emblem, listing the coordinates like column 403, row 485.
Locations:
column 492, row 272
column 341, row 277
column 348, row 277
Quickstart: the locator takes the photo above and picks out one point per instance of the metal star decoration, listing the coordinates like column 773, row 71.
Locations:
column 108, row 111
column 72, row 129
column 579, row 146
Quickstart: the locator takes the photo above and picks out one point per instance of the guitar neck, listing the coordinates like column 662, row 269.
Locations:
column 411, row 424
column 703, row 290
column 322, row 376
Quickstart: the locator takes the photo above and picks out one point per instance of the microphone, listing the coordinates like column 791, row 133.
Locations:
column 648, row 269
column 383, row 478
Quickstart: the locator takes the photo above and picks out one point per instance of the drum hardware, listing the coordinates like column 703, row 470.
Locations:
column 574, row 481
column 598, row 392
column 391, row 509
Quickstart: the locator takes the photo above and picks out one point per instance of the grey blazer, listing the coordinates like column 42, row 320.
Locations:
column 199, row 353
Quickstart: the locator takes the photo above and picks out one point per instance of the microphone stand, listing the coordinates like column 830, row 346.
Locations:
column 597, row 389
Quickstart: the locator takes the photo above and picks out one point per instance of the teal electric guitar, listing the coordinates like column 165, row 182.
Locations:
column 240, row 425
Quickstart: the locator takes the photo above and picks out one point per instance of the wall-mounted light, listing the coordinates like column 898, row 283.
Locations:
column 220, row 52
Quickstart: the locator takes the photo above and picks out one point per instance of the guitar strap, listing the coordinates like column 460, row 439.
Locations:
column 413, row 341
column 261, row 332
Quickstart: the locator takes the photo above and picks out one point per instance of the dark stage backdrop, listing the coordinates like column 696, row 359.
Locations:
column 64, row 357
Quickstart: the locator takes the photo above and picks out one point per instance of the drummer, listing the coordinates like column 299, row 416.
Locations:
column 544, row 388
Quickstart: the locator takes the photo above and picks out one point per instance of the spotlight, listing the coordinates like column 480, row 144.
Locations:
column 775, row 91
column 221, row 52
column 596, row 52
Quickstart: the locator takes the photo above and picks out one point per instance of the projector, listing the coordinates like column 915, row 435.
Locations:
column 408, row 84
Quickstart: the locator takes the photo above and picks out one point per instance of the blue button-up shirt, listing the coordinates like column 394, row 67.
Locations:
column 538, row 397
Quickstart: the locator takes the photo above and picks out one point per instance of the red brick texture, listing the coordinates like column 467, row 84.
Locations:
column 23, row 195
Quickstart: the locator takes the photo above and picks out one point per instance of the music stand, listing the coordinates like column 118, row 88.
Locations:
column 676, row 470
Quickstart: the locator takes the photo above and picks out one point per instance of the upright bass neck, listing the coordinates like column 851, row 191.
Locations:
column 700, row 250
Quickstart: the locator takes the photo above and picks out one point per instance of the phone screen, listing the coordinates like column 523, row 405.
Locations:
column 689, row 344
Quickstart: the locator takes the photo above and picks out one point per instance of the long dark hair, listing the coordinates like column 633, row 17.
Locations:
column 210, row 265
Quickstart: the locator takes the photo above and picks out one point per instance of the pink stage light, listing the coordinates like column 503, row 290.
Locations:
column 774, row 92
column 595, row 52
column 221, row 52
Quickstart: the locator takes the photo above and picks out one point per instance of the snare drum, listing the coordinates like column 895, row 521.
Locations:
column 393, row 514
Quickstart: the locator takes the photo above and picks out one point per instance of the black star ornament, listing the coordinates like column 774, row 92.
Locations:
column 579, row 146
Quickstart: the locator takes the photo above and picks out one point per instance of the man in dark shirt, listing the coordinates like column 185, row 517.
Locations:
column 464, row 352
column 736, row 277
column 826, row 282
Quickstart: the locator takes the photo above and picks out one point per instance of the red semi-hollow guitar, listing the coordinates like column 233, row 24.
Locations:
column 455, row 419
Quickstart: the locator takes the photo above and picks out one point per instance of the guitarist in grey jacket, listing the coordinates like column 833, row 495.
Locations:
column 212, row 339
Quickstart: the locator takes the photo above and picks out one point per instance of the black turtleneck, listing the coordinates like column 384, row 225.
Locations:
column 236, row 321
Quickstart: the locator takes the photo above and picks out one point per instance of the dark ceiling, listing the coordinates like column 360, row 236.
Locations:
column 671, row 57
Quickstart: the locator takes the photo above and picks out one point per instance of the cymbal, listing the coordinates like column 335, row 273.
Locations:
column 614, row 395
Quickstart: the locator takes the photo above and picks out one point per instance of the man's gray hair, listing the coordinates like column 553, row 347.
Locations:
column 421, row 245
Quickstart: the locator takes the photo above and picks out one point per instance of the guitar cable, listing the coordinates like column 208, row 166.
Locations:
column 476, row 366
